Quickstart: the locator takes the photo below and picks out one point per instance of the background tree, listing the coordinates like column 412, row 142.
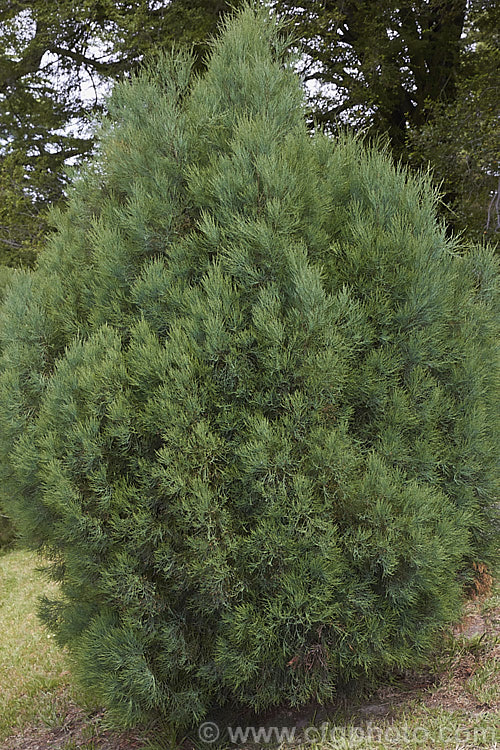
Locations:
column 7, row 533
column 23, row 223
column 56, row 61
column 421, row 75
column 461, row 138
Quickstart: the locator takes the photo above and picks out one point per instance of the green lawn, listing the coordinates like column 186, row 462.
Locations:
column 35, row 681
column 41, row 709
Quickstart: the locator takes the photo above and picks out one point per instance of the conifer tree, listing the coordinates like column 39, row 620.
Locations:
column 247, row 400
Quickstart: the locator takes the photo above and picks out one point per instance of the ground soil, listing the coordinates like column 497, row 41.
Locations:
column 442, row 686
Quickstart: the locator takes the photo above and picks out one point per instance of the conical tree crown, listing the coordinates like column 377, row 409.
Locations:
column 247, row 399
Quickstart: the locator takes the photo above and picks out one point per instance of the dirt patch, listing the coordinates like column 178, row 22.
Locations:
column 473, row 644
column 78, row 730
column 479, row 636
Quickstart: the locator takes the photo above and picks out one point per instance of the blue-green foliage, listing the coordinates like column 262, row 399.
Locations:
column 247, row 400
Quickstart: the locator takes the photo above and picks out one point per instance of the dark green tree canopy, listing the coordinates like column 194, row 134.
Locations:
column 382, row 62
column 461, row 138
column 7, row 534
column 56, row 59
column 247, row 399
column 422, row 76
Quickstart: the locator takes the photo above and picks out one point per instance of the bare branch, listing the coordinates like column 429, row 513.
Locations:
column 106, row 68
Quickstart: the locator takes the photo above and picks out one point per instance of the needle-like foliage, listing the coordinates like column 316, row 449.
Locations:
column 247, row 400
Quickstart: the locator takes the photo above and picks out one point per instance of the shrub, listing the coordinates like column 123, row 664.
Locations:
column 247, row 400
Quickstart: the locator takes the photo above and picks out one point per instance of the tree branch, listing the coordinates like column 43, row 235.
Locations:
column 106, row 68
column 12, row 71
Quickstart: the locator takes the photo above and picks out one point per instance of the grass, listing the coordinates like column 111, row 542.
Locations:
column 34, row 671
column 452, row 706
